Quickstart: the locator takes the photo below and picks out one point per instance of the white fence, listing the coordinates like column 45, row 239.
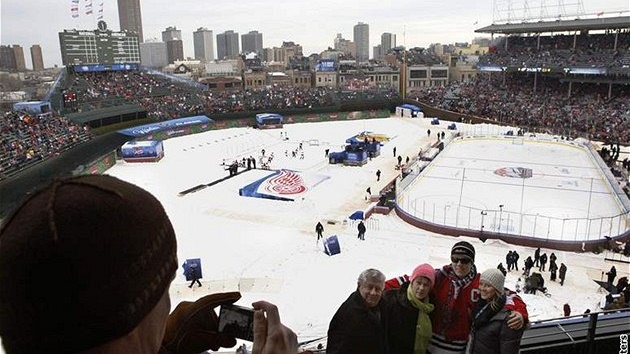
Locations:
column 508, row 222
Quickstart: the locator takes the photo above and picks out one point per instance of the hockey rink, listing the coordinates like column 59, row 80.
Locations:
column 539, row 187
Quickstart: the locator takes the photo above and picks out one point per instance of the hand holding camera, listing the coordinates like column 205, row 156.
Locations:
column 193, row 326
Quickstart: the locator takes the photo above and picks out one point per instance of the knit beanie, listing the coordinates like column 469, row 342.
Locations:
column 424, row 270
column 463, row 248
column 82, row 262
column 494, row 277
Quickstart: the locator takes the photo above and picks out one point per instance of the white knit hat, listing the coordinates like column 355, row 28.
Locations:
column 494, row 277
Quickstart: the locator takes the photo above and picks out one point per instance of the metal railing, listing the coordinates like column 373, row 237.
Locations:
column 600, row 332
column 597, row 332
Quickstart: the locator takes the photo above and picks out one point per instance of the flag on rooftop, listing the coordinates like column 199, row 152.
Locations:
column 100, row 11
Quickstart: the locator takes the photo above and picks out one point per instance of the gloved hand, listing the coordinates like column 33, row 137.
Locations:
column 192, row 327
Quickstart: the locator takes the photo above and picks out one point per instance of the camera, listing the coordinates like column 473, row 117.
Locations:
column 237, row 321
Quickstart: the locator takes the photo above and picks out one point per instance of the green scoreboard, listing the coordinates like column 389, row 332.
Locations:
column 100, row 46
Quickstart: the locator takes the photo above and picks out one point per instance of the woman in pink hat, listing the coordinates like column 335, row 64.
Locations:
column 406, row 313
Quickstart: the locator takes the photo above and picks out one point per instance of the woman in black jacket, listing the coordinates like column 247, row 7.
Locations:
column 406, row 313
column 490, row 332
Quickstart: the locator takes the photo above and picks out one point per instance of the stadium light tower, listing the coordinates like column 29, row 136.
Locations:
column 510, row 11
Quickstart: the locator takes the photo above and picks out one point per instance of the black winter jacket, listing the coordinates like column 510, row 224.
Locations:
column 356, row 329
column 495, row 337
column 401, row 319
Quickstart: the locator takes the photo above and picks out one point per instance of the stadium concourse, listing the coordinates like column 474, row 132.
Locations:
column 267, row 248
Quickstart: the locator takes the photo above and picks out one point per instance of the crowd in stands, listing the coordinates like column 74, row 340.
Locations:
column 417, row 56
column 544, row 107
column 590, row 50
column 164, row 99
column 26, row 139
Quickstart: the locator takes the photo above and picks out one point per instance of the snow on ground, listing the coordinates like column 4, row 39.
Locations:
column 267, row 249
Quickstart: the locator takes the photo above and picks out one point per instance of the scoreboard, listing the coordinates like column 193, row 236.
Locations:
column 100, row 46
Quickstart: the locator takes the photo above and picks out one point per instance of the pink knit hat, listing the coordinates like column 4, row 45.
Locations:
column 424, row 270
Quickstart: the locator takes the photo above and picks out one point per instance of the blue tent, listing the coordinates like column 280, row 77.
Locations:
column 357, row 215
column 408, row 110
column 269, row 120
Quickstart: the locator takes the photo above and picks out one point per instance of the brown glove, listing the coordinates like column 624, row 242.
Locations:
column 192, row 327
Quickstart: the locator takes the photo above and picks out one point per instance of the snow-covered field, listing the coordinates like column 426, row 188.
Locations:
column 267, row 249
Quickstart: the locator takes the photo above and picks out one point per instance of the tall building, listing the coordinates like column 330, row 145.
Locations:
column 12, row 58
column 203, row 41
column 20, row 62
column 227, row 45
column 37, row 58
column 174, row 44
column 362, row 40
column 174, row 50
column 388, row 41
column 346, row 46
column 130, row 17
column 377, row 52
column 153, row 54
column 252, row 42
column 267, row 54
column 7, row 59
column 171, row 33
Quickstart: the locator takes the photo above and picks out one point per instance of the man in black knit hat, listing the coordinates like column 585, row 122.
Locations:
column 86, row 265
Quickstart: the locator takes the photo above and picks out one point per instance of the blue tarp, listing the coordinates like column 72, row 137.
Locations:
column 251, row 190
column 357, row 215
column 411, row 107
column 35, row 107
column 146, row 129
column 194, row 263
column 269, row 118
column 331, row 245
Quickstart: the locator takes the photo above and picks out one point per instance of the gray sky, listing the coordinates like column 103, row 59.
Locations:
column 312, row 24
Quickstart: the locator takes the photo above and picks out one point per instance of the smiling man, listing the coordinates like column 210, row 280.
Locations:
column 356, row 327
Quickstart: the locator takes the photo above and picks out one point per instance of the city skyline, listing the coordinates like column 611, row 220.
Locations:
column 313, row 25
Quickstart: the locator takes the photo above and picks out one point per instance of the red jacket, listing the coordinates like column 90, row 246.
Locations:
column 455, row 324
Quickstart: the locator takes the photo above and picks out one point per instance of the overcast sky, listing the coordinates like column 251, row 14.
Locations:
column 312, row 24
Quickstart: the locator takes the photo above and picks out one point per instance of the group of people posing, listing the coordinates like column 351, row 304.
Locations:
column 449, row 310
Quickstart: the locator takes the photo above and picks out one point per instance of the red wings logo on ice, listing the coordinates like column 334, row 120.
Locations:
column 514, row 172
column 287, row 182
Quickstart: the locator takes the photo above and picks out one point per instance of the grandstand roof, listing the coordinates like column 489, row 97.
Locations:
column 607, row 23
